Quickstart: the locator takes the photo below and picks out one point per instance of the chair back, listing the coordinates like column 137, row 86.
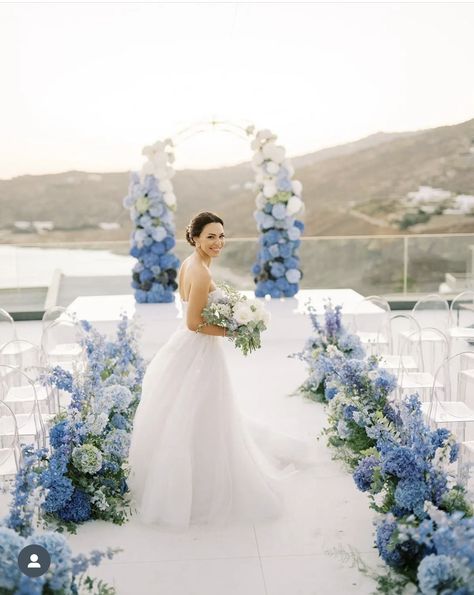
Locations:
column 7, row 327
column 9, row 440
column 32, row 416
column 432, row 306
column 462, row 309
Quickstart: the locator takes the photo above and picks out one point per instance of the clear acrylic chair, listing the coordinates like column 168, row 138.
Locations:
column 454, row 409
column 422, row 380
column 61, row 343
column 55, row 313
column 7, row 335
column 432, row 310
column 394, row 360
column 31, row 361
column 370, row 321
column 31, row 424
column 462, row 316
column 10, row 452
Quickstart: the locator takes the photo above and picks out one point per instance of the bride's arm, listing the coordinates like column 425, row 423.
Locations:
column 197, row 301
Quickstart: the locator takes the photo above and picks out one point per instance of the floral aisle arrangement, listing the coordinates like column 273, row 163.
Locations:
column 329, row 339
column 445, row 543
column 23, row 526
column 152, row 204
column 277, row 268
column 86, row 471
column 243, row 319
column 403, row 465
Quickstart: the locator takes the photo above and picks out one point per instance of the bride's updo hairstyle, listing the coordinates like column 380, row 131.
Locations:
column 198, row 223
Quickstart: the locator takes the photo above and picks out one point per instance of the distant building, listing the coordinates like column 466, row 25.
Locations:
column 23, row 225
column 43, row 226
column 109, row 226
column 427, row 194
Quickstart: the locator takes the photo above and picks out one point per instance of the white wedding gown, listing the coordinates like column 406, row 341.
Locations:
column 194, row 458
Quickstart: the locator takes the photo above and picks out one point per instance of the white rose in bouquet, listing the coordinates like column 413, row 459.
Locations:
column 242, row 313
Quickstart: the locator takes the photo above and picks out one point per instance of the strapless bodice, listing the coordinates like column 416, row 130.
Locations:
column 214, row 291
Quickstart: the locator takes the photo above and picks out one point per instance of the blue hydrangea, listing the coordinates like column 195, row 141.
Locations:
column 119, row 421
column 330, row 391
column 279, row 211
column 59, row 575
column 385, row 382
column 436, row 573
column 348, row 412
column 402, row 462
column 120, row 396
column 117, row 443
column 410, row 495
column 277, row 269
column 77, row 509
column 10, row 545
column 60, row 492
column 364, row 473
column 385, row 545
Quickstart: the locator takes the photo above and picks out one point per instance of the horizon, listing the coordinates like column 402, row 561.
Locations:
column 317, row 75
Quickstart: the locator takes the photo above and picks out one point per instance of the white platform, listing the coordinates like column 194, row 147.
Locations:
column 293, row 555
column 289, row 320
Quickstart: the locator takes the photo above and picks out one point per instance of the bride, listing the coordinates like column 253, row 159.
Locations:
column 192, row 458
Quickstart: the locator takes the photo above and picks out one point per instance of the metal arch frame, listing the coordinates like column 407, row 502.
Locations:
column 234, row 128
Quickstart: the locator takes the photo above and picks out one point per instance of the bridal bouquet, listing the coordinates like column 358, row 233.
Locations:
column 242, row 318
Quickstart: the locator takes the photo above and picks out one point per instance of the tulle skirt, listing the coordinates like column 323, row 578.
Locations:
column 194, row 458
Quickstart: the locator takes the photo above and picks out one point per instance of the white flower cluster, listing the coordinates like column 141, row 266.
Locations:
column 271, row 166
column 251, row 311
column 159, row 164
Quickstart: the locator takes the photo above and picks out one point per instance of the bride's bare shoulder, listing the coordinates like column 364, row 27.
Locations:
column 193, row 272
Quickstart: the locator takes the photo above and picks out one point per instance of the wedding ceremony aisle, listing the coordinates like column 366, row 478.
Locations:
column 303, row 553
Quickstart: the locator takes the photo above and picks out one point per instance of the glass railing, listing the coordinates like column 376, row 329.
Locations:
column 383, row 265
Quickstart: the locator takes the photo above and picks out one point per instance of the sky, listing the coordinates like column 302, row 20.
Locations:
column 85, row 86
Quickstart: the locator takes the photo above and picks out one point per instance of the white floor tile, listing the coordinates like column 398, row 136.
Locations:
column 313, row 575
column 237, row 576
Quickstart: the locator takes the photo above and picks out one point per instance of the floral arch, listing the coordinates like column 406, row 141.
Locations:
column 279, row 205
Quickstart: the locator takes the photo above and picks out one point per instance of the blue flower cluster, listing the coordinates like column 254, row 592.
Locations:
column 17, row 531
column 154, row 275
column 277, row 270
column 326, row 350
column 448, row 541
column 395, row 455
column 90, row 441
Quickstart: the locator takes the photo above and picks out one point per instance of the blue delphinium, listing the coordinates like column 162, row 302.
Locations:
column 326, row 352
column 58, row 434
